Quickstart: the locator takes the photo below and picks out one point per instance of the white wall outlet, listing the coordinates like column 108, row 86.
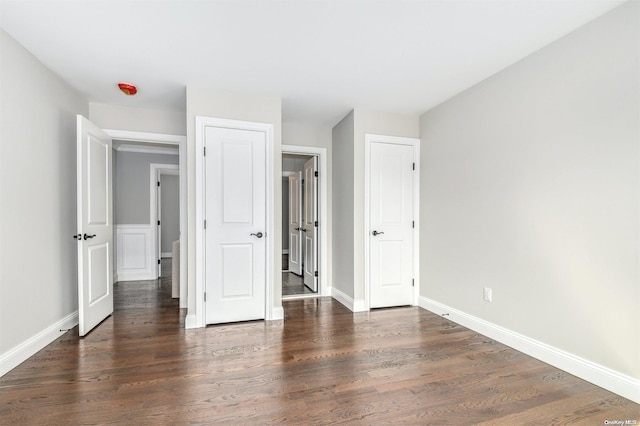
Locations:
column 488, row 294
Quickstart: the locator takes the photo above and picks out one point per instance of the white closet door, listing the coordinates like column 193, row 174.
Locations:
column 235, row 214
column 391, row 224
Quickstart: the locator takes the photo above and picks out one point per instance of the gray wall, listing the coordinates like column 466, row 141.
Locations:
column 38, row 263
column 169, row 211
column 342, row 207
column 131, row 192
column 530, row 187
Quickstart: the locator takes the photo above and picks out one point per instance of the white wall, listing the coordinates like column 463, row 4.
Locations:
column 133, row 119
column 202, row 101
column 530, row 186
column 38, row 265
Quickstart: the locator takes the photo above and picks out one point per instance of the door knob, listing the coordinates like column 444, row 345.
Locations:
column 259, row 235
column 377, row 233
column 303, row 229
column 87, row 236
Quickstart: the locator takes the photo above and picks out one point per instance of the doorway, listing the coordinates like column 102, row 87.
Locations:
column 304, row 233
column 153, row 150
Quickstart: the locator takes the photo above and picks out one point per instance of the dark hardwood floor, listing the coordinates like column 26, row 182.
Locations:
column 322, row 365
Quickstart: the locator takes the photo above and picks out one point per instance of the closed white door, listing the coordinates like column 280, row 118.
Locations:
column 391, row 224
column 310, row 222
column 235, row 217
column 94, row 232
column 295, row 223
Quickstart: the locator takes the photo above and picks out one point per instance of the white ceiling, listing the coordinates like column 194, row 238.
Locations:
column 322, row 57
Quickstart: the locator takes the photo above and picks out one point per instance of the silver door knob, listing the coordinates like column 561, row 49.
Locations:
column 259, row 234
column 377, row 233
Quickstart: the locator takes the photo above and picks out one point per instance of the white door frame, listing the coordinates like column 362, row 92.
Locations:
column 155, row 171
column 272, row 312
column 323, row 269
column 181, row 142
column 397, row 140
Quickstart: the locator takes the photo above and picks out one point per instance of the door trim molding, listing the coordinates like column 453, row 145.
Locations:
column 155, row 171
column 323, row 268
column 396, row 140
column 273, row 309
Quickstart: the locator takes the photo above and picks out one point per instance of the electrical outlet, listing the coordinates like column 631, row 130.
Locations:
column 488, row 294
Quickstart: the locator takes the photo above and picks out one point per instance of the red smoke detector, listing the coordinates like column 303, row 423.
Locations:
column 128, row 89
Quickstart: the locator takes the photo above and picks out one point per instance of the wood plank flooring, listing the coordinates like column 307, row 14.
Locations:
column 322, row 365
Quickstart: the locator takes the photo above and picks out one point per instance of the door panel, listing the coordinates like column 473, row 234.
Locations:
column 235, row 208
column 236, row 261
column 310, row 230
column 391, row 216
column 95, row 227
column 295, row 223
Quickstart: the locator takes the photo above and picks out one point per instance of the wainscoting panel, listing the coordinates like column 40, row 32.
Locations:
column 134, row 253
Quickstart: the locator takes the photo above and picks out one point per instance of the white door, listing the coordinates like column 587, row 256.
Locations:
column 391, row 224
column 235, row 217
column 310, row 224
column 95, row 245
column 159, row 225
column 295, row 223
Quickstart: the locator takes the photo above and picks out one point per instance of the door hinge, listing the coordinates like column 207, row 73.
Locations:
column 204, row 151
column 302, row 181
column 158, row 183
column 158, row 261
column 413, row 223
column 158, row 223
column 205, row 224
column 205, row 296
column 315, row 173
column 414, row 166
column 315, row 274
column 413, row 282
column 316, row 223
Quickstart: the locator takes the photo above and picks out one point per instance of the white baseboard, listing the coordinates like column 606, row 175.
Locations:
column 134, row 276
column 597, row 374
column 166, row 254
column 348, row 301
column 16, row 356
column 190, row 321
column 277, row 314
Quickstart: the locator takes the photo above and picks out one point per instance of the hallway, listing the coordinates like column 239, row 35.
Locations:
column 323, row 365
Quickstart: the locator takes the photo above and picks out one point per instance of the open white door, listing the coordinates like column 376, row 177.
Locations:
column 295, row 223
column 391, row 224
column 310, row 224
column 235, row 224
column 95, row 245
